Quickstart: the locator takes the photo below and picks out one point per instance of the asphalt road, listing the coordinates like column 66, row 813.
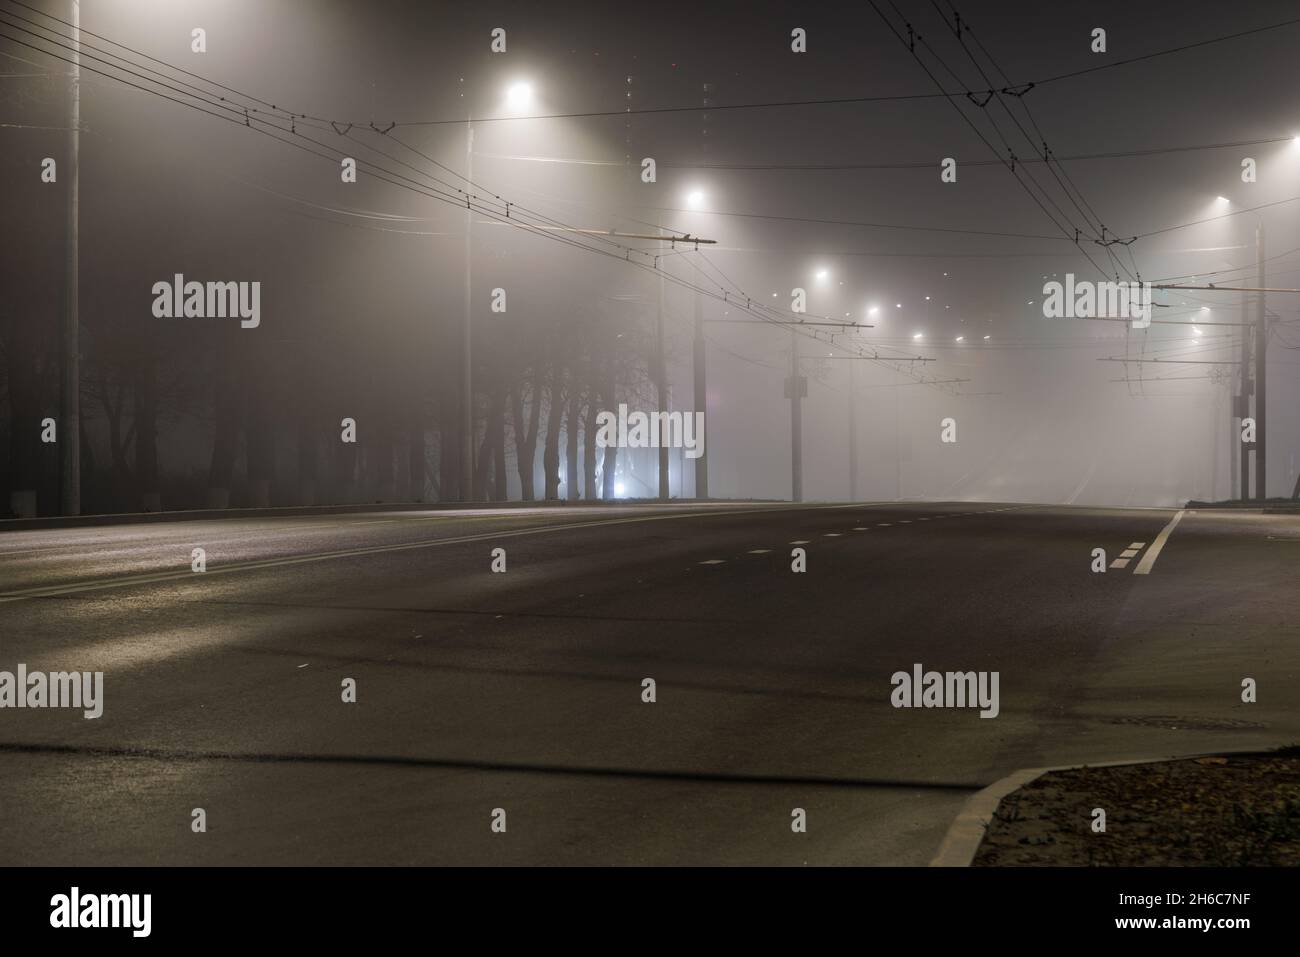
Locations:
column 522, row 690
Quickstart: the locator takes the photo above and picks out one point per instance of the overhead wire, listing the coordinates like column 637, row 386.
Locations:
column 195, row 98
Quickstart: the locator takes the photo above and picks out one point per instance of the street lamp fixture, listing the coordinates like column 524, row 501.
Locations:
column 519, row 97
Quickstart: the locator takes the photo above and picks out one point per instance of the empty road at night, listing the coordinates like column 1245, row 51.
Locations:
column 522, row 690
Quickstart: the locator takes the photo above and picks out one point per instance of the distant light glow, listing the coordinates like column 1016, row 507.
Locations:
column 519, row 97
column 986, row 338
column 918, row 335
column 695, row 199
column 822, row 273
column 1220, row 199
column 873, row 311
column 960, row 339
column 619, row 488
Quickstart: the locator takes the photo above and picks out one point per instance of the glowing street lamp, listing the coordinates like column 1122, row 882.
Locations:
column 519, row 97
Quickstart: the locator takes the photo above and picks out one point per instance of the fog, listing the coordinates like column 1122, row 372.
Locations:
column 363, row 284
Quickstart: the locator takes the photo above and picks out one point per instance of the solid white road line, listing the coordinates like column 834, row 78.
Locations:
column 184, row 573
column 1083, row 482
column 1149, row 559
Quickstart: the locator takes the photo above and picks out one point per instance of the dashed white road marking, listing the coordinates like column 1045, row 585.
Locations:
column 1119, row 563
column 859, row 528
column 1137, row 545
column 831, row 535
column 1129, row 552
column 883, row 524
column 1149, row 559
column 800, row 542
column 713, row 561
column 759, row 551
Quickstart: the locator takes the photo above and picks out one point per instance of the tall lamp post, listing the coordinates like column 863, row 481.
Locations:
column 518, row 100
column 70, row 471
column 467, row 357
column 696, row 200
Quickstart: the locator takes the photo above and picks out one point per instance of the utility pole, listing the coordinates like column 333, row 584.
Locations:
column 853, row 441
column 701, row 386
column 1261, row 367
column 701, row 403
column 661, row 379
column 898, row 459
column 467, row 381
column 1243, row 400
column 1234, row 437
column 1258, row 386
column 70, row 460
column 796, row 388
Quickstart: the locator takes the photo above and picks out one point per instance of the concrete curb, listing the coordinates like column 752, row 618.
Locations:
column 966, row 832
column 1274, row 506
